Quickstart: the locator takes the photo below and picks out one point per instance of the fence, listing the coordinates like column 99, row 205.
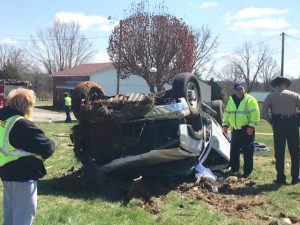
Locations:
column 44, row 96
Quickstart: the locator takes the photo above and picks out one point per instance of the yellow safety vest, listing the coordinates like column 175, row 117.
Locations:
column 246, row 114
column 68, row 101
column 8, row 153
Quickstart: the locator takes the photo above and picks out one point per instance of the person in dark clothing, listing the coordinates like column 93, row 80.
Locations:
column 283, row 105
column 23, row 148
column 242, row 114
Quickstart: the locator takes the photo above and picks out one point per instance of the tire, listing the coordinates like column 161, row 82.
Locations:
column 87, row 90
column 186, row 85
column 218, row 106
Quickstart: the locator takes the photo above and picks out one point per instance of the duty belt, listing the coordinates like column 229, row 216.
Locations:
column 280, row 116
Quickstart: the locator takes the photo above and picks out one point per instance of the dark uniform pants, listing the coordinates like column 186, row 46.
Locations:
column 68, row 114
column 286, row 129
column 241, row 140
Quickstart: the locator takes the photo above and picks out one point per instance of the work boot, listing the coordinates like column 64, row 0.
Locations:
column 295, row 181
column 280, row 182
column 246, row 175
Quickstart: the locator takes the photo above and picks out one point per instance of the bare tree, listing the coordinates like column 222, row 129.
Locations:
column 295, row 86
column 61, row 46
column 145, row 40
column 14, row 62
column 269, row 70
column 14, row 56
column 227, row 78
column 248, row 62
column 206, row 46
column 41, row 83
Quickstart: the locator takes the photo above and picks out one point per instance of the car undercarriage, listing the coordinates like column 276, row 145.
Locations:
column 163, row 134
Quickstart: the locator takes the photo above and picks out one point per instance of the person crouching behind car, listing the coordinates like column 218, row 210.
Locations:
column 242, row 114
column 23, row 147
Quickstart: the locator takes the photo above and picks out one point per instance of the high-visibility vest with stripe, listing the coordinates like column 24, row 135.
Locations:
column 246, row 114
column 68, row 101
column 8, row 153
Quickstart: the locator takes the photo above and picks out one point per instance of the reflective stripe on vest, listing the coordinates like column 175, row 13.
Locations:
column 240, row 116
column 7, row 152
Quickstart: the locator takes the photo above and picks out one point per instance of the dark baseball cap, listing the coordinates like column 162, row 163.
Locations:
column 237, row 86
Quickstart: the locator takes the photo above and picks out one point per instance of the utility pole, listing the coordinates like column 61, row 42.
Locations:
column 282, row 52
column 119, row 71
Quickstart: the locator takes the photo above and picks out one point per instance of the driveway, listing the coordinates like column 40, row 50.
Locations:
column 48, row 115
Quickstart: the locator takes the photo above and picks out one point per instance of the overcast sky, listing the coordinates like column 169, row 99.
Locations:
column 233, row 21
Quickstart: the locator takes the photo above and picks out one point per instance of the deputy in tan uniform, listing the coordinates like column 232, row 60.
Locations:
column 283, row 104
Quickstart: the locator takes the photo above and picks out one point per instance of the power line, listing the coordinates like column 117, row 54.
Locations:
column 12, row 15
column 296, row 38
column 17, row 18
column 52, row 37
column 269, row 39
column 43, row 12
column 256, row 41
column 98, row 37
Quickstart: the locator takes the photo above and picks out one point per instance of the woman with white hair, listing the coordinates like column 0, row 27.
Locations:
column 23, row 148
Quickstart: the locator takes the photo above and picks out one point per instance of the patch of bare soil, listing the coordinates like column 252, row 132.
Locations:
column 150, row 206
column 234, row 197
column 261, row 160
column 231, row 198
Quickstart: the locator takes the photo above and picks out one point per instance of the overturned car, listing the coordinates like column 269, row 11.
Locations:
column 167, row 133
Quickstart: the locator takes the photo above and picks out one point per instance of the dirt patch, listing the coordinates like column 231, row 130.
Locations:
column 150, row 206
column 262, row 160
column 234, row 197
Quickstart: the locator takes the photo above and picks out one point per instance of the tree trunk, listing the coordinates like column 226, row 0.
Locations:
column 159, row 88
column 152, row 90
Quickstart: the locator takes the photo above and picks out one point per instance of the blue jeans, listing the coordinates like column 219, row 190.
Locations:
column 68, row 114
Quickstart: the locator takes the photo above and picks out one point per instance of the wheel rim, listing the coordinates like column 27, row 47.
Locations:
column 192, row 95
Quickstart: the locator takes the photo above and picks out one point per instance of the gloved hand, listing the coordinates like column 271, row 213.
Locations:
column 225, row 130
column 250, row 131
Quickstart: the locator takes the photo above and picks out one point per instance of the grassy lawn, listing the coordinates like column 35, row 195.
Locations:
column 48, row 105
column 55, row 207
column 44, row 103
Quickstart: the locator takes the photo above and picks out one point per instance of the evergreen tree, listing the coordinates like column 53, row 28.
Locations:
column 216, row 90
column 9, row 71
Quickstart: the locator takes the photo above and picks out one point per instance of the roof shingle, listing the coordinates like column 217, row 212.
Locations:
column 84, row 69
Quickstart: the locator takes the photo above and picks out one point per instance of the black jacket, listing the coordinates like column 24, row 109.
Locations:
column 236, row 100
column 26, row 136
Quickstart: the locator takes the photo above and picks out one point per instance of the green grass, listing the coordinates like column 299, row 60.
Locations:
column 55, row 207
column 262, row 129
column 48, row 105
column 44, row 103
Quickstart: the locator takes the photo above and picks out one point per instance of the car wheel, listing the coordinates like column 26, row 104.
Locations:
column 87, row 90
column 186, row 85
column 218, row 106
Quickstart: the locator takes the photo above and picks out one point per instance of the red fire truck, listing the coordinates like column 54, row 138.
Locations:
column 7, row 85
